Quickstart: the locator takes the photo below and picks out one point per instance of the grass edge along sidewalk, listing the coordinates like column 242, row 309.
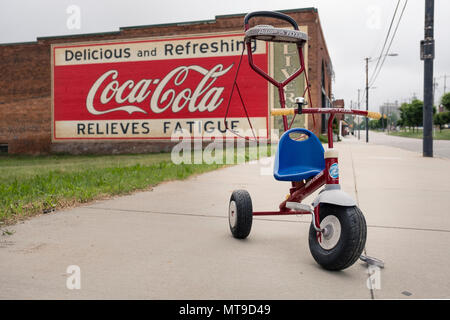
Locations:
column 418, row 134
column 33, row 185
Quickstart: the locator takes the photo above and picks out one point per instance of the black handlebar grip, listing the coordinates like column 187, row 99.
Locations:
column 269, row 14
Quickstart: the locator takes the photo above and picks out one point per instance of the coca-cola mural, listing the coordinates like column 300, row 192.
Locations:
column 153, row 88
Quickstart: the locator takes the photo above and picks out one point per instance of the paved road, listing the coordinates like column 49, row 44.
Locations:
column 173, row 242
column 441, row 148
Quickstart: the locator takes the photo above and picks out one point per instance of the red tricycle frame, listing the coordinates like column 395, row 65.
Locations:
column 302, row 189
column 339, row 212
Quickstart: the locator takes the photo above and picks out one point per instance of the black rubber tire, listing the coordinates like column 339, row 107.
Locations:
column 351, row 242
column 244, row 214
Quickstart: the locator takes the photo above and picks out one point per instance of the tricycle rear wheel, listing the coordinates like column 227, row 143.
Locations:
column 343, row 239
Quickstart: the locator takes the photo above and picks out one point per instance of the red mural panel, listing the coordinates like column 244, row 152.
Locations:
column 152, row 89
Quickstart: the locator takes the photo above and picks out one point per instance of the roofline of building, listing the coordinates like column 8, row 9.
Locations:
column 234, row 15
column 282, row 11
column 18, row 43
column 67, row 36
column 176, row 24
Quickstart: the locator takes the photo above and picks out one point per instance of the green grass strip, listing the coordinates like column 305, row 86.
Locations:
column 31, row 185
column 418, row 134
column 54, row 189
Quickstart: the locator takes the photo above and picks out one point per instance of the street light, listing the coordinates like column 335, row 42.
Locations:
column 367, row 86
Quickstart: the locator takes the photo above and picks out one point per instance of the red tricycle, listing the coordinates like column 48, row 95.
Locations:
column 337, row 234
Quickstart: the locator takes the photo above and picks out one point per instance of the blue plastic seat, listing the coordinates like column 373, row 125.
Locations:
column 298, row 159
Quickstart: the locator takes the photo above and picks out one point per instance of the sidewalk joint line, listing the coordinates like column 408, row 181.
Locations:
column 159, row 212
column 372, row 294
column 409, row 228
column 258, row 219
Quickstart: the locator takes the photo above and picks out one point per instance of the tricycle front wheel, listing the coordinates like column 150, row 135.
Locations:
column 240, row 214
column 343, row 238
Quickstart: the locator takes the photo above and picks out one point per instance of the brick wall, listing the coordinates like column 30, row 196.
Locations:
column 318, row 54
column 25, row 125
column 25, row 83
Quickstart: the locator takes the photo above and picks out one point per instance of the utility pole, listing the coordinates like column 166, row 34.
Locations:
column 389, row 120
column 367, row 99
column 353, row 119
column 435, row 85
column 445, row 83
column 359, row 107
column 427, row 55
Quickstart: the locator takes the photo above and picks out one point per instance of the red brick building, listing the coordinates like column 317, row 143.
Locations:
column 26, row 82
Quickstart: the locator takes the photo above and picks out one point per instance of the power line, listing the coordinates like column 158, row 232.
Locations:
column 383, row 57
column 390, row 43
column 386, row 39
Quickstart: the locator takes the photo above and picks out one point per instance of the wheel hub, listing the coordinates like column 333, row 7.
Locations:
column 332, row 232
column 328, row 231
column 232, row 214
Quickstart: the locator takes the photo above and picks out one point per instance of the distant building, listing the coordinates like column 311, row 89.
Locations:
column 389, row 108
column 343, row 125
column 339, row 103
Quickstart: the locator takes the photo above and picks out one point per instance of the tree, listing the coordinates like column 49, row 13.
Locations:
column 446, row 101
column 405, row 115
column 393, row 119
column 416, row 113
column 383, row 121
column 441, row 119
column 411, row 114
column 374, row 124
column 335, row 126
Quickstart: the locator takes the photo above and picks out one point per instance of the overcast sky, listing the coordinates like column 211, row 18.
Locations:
column 353, row 29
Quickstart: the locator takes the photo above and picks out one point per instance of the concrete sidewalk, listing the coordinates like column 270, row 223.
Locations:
column 441, row 148
column 174, row 243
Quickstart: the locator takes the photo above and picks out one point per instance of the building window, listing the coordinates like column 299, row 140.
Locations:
column 3, row 148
